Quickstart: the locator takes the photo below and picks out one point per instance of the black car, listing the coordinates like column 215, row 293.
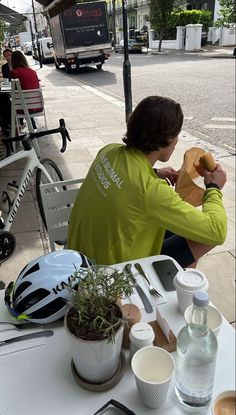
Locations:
column 133, row 46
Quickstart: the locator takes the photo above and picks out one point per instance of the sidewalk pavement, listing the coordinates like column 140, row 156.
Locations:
column 95, row 119
column 207, row 51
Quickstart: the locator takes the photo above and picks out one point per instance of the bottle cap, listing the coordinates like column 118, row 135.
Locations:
column 201, row 299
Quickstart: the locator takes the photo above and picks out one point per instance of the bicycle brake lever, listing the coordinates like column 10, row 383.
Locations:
column 64, row 134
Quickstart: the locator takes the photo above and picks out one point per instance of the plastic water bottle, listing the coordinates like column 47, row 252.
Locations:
column 196, row 357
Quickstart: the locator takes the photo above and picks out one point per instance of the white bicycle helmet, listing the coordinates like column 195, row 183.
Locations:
column 40, row 292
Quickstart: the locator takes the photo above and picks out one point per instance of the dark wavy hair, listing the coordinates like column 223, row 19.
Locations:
column 6, row 50
column 153, row 124
column 18, row 60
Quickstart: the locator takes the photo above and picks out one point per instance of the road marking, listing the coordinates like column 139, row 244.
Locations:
column 109, row 98
column 188, row 118
column 231, row 148
column 222, row 127
column 223, row 119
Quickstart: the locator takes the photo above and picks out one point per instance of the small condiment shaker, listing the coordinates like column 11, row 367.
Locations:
column 131, row 315
column 141, row 335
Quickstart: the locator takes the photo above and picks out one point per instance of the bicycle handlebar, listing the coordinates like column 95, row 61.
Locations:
column 26, row 138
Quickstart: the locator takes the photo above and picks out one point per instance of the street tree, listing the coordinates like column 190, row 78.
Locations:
column 227, row 12
column 161, row 15
column 2, row 29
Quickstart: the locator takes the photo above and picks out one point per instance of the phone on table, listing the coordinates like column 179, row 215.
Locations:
column 166, row 271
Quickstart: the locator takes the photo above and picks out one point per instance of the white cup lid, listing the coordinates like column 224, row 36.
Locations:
column 190, row 280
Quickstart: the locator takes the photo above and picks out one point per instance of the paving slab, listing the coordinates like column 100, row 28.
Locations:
column 29, row 245
column 219, row 269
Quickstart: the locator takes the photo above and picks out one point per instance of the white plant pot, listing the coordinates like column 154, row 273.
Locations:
column 96, row 361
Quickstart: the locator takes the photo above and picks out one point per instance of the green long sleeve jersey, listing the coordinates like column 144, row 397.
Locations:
column 123, row 210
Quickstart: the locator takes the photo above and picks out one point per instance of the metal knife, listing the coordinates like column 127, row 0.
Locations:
column 147, row 305
column 42, row 333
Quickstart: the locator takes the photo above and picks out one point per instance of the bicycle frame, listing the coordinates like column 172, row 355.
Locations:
column 32, row 163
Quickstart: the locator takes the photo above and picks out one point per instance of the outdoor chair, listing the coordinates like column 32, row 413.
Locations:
column 23, row 106
column 58, row 200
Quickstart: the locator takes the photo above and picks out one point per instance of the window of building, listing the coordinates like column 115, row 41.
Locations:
column 132, row 21
column 204, row 6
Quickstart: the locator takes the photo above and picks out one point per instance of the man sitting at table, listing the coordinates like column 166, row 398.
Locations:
column 5, row 102
column 125, row 206
column 6, row 67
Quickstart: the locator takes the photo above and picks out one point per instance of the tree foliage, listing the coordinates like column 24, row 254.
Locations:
column 227, row 13
column 161, row 15
column 2, row 29
column 184, row 17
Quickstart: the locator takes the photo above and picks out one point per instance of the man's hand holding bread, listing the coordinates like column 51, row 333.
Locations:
column 211, row 171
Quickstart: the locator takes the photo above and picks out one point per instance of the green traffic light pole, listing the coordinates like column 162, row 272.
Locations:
column 126, row 65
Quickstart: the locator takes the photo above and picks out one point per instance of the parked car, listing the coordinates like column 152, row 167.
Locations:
column 133, row 46
column 27, row 48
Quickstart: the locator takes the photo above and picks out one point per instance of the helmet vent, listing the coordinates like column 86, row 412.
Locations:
column 34, row 268
column 49, row 309
column 22, row 287
column 31, row 299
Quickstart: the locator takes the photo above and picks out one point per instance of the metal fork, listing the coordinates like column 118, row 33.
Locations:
column 152, row 290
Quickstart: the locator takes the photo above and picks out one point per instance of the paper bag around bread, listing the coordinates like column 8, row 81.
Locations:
column 187, row 189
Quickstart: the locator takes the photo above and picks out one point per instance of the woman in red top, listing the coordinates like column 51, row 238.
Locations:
column 28, row 77
column 20, row 70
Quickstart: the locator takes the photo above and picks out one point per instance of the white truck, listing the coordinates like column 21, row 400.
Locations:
column 80, row 36
column 24, row 37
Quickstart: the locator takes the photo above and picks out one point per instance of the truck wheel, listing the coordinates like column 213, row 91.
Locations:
column 99, row 66
column 67, row 68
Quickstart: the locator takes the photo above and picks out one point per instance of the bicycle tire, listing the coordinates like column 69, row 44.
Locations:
column 5, row 150
column 7, row 245
column 56, row 175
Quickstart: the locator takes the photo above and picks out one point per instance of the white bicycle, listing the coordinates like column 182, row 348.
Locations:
column 46, row 172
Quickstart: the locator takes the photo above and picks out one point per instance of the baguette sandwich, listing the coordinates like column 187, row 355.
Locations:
column 206, row 161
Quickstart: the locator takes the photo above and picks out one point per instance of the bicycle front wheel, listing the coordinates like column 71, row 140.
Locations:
column 41, row 178
column 7, row 245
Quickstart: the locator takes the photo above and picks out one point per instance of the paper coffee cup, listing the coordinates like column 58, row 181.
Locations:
column 187, row 282
column 214, row 318
column 224, row 403
column 153, row 368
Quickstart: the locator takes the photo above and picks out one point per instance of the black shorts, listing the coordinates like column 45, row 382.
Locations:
column 176, row 247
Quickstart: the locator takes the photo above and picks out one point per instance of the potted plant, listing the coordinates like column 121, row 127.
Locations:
column 94, row 321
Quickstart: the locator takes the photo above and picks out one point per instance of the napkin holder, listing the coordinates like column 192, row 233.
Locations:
column 164, row 336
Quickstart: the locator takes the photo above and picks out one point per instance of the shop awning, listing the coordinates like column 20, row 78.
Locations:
column 54, row 7
column 11, row 16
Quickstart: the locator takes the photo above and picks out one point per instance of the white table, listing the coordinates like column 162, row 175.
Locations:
column 39, row 381
column 5, row 87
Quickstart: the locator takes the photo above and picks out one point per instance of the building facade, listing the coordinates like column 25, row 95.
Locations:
column 138, row 12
